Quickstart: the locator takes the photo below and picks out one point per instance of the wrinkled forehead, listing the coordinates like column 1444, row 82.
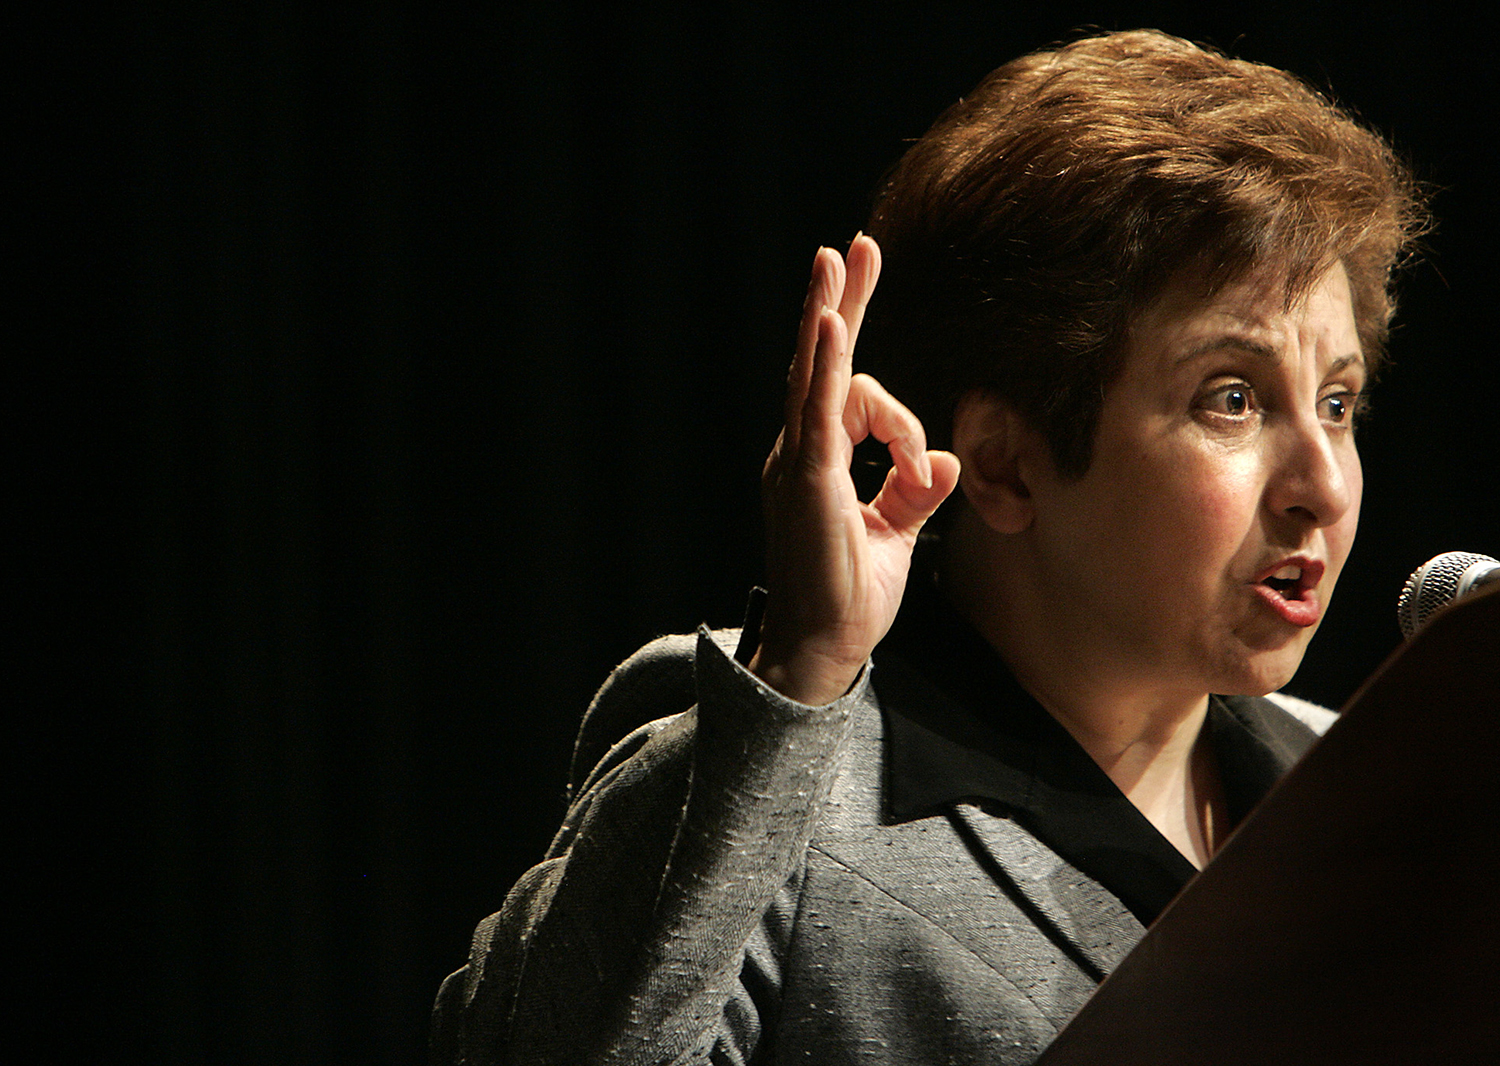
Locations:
column 1261, row 309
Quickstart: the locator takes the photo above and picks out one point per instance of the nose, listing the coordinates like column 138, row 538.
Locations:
column 1316, row 479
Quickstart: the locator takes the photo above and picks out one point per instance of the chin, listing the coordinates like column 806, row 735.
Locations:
column 1257, row 662
column 1263, row 672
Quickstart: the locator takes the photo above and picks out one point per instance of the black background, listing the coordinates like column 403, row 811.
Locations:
column 440, row 350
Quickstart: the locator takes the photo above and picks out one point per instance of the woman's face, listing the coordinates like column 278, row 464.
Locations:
column 1203, row 544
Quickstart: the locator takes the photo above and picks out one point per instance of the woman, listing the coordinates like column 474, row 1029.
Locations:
column 1136, row 290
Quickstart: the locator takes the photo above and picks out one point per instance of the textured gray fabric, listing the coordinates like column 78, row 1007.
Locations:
column 725, row 889
column 629, row 941
column 1317, row 718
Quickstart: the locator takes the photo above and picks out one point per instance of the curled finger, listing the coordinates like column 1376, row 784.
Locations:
column 871, row 411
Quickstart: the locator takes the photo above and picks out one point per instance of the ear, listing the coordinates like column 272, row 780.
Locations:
column 996, row 447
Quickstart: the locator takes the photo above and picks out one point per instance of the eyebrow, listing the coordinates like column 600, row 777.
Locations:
column 1257, row 349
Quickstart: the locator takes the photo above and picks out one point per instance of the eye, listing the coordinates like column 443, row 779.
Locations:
column 1233, row 401
column 1339, row 408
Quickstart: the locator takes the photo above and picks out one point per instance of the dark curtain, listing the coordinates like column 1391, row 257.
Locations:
column 444, row 348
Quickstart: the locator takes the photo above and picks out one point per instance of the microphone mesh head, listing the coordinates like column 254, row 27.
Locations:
column 1432, row 586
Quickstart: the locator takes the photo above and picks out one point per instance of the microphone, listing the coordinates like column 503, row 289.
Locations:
column 1440, row 581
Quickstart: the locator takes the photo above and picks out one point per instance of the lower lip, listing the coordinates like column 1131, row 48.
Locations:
column 1303, row 612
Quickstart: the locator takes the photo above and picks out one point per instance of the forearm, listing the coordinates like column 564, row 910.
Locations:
column 631, row 945
column 763, row 768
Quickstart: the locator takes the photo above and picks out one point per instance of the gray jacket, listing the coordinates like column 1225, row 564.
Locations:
column 725, row 889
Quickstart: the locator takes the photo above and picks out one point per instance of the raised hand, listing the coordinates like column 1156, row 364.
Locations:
column 837, row 567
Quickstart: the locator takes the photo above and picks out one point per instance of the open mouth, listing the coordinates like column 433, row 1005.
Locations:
column 1287, row 583
column 1290, row 589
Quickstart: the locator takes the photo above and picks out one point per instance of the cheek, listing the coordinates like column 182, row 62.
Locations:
column 1215, row 506
column 1341, row 534
column 1189, row 520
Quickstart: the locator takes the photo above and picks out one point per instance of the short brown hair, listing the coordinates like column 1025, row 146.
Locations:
column 1040, row 213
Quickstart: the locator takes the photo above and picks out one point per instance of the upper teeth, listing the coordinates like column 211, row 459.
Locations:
column 1288, row 573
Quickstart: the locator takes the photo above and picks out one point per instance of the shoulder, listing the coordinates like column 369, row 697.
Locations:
column 1259, row 738
column 1314, row 716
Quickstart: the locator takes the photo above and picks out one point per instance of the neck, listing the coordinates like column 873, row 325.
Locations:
column 1145, row 733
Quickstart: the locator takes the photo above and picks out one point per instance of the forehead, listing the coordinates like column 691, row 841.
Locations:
column 1253, row 314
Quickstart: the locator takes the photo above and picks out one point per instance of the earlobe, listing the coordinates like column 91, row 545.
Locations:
column 993, row 441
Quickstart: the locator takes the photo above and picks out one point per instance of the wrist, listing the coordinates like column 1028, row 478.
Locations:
column 807, row 677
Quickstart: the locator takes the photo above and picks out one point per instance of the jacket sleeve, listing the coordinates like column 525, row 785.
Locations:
column 650, row 932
